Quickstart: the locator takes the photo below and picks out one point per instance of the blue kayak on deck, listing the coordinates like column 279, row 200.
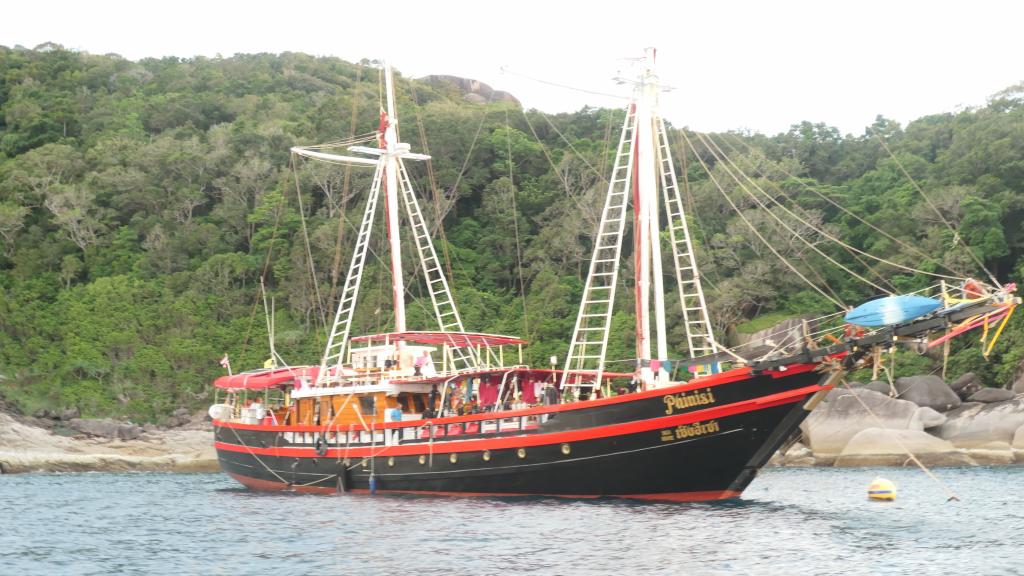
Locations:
column 891, row 310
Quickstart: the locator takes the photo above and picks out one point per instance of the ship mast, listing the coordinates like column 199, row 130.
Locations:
column 389, row 123
column 391, row 175
column 643, row 167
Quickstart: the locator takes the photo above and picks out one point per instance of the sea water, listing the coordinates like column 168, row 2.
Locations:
column 790, row 521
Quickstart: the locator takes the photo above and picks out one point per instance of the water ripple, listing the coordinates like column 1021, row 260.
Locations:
column 791, row 521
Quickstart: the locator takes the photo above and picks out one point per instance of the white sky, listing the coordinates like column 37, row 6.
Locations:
column 759, row 65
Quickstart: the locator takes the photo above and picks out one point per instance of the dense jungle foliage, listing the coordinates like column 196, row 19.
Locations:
column 142, row 202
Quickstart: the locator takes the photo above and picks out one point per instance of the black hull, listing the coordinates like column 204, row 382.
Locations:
column 697, row 453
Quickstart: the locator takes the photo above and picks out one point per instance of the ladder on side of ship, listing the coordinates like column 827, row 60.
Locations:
column 337, row 343
column 448, row 319
column 699, row 337
column 589, row 342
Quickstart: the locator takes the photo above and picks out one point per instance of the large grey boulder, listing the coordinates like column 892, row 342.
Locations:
column 926, row 418
column 1016, row 382
column 841, row 416
column 106, row 428
column 990, row 395
column 928, row 390
column 880, row 386
column 881, row 447
column 785, row 335
column 69, row 414
column 974, row 424
column 966, row 385
column 797, row 455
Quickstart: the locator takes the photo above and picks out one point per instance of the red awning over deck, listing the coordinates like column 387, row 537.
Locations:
column 457, row 339
column 261, row 379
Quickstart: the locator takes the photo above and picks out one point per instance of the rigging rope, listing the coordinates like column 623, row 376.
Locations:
column 554, row 168
column 754, row 229
column 935, row 208
column 515, row 227
column 345, row 192
column 949, row 492
column 857, row 250
column 505, row 70
column 853, row 215
column 779, row 189
column 309, row 251
column 716, row 151
column 434, row 190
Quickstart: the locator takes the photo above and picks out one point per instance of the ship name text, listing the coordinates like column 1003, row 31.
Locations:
column 684, row 400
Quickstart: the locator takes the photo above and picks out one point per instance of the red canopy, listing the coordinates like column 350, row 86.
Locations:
column 260, row 379
column 457, row 339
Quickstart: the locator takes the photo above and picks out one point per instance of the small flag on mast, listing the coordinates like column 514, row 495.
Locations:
column 225, row 362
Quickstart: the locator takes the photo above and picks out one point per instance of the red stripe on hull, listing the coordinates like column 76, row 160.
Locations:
column 525, row 441
column 270, row 486
column 728, row 377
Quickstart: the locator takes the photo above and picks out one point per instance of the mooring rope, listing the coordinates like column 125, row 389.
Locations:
column 947, row 489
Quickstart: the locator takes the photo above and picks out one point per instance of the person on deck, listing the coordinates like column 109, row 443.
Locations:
column 419, row 363
column 395, row 415
column 257, row 409
column 432, row 398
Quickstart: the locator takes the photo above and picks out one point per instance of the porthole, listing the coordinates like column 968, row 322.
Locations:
column 423, row 459
column 453, row 457
column 521, row 452
column 391, row 461
column 566, row 449
column 487, row 455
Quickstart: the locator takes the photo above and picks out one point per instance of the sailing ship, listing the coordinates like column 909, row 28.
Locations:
column 454, row 412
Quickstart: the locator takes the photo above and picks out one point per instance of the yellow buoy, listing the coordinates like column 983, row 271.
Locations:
column 882, row 489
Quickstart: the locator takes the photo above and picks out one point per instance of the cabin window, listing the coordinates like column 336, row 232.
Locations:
column 403, row 402
column 368, row 405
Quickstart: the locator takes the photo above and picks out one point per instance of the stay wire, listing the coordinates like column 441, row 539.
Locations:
column 768, row 244
column 505, row 70
column 776, row 187
column 949, row 492
column 938, row 213
column 554, row 168
column 901, row 243
column 725, row 165
column 878, row 258
column 717, row 152
column 309, row 251
column 515, row 227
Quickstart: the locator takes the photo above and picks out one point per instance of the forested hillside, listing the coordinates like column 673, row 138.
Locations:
column 141, row 204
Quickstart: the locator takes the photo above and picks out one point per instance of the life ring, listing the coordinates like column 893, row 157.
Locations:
column 320, row 445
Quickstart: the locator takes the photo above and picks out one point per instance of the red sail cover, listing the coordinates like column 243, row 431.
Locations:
column 260, row 379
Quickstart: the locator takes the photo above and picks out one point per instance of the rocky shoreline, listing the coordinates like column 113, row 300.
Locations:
column 65, row 443
column 877, row 424
column 874, row 424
